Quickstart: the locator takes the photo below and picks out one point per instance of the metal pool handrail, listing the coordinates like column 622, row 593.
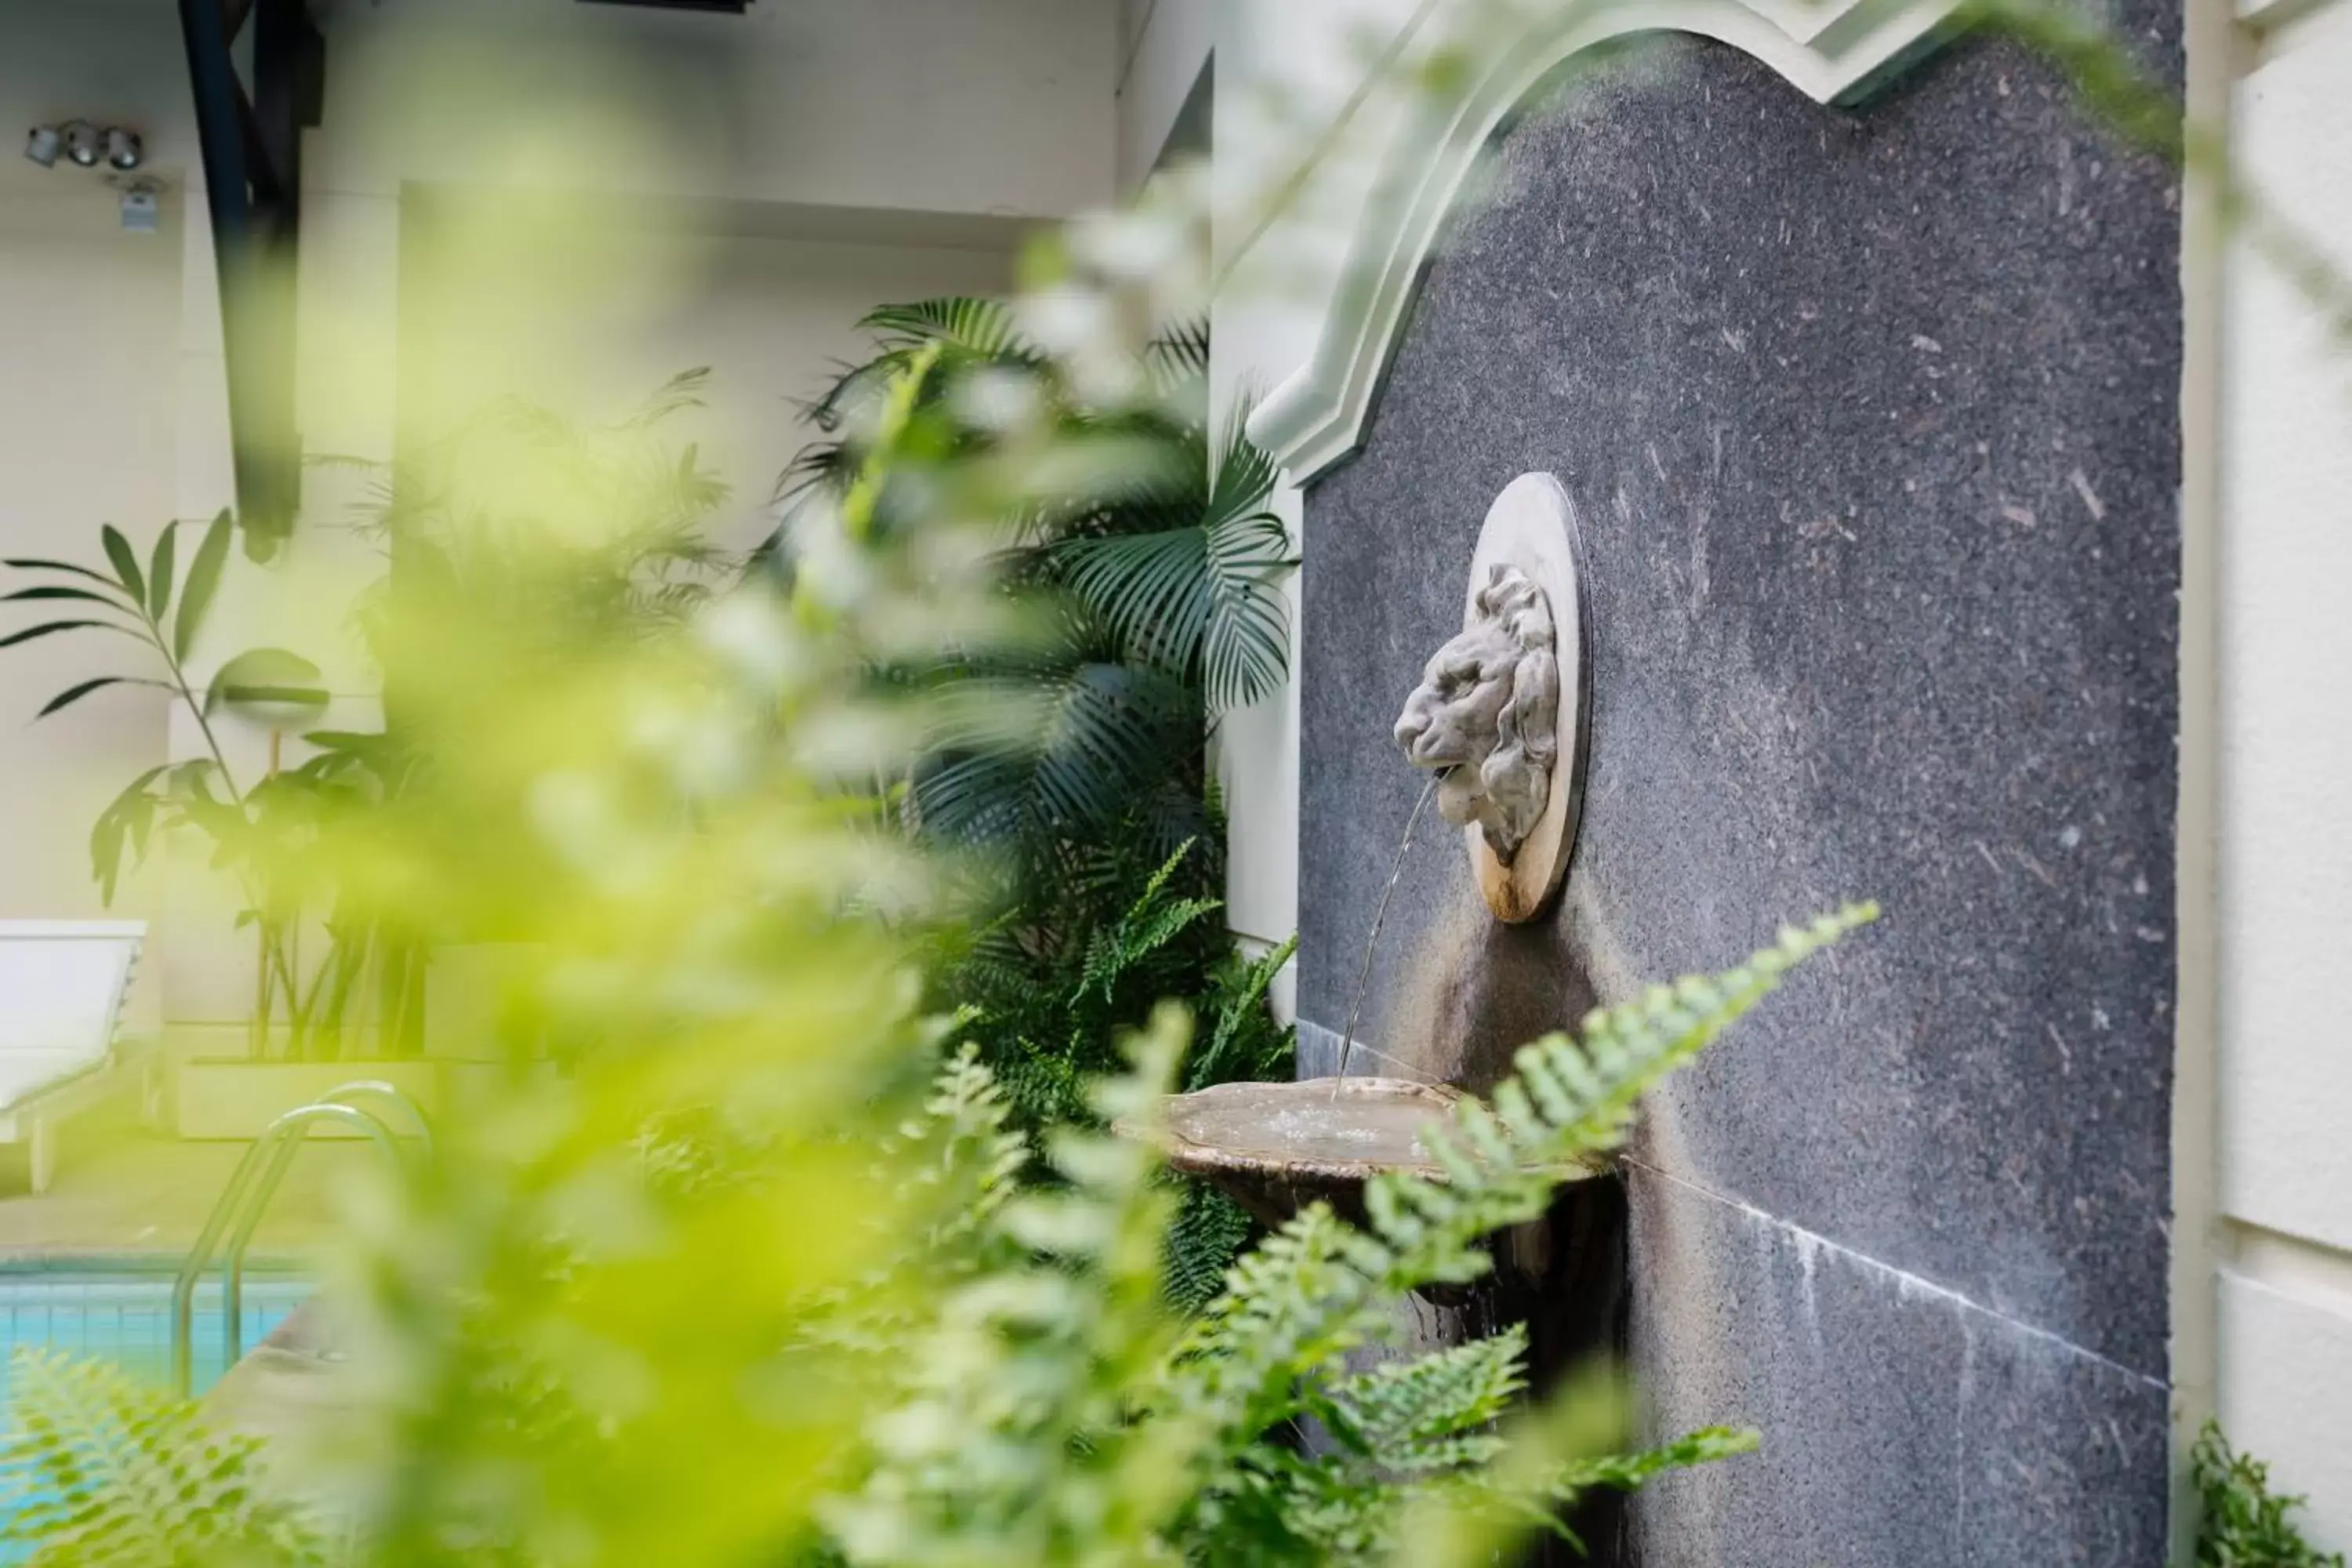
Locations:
column 376, row 1088
column 276, row 1147
column 240, row 1238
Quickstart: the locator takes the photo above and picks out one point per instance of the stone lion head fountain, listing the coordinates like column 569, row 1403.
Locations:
column 1500, row 717
column 1487, row 712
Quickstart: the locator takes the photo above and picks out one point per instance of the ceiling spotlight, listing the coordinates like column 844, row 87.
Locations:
column 84, row 144
column 124, row 150
column 41, row 145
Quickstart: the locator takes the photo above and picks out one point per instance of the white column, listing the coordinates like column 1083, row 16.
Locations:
column 2284, row 913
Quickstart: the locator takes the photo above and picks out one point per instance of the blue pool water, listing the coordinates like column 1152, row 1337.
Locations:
column 124, row 1313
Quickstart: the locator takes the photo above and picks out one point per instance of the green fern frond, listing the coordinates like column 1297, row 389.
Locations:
column 1152, row 921
column 1244, row 1041
column 1207, row 1235
column 1410, row 1416
column 971, row 1158
column 103, row 1472
column 1117, row 953
column 1013, row 1395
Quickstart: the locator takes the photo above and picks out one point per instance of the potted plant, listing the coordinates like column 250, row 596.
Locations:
column 333, row 983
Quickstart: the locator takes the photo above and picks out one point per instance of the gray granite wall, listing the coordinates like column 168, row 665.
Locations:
column 1869, row 419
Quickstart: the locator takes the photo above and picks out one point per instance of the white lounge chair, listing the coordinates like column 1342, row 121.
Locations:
column 62, row 984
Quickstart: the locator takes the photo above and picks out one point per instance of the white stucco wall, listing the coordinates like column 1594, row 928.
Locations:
column 2284, row 1071
column 933, row 105
column 90, row 318
column 92, row 355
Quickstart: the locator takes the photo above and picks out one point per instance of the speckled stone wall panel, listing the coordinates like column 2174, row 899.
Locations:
column 1870, row 421
column 1902, row 1425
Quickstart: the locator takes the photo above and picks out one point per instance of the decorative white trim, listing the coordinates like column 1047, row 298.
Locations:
column 1835, row 52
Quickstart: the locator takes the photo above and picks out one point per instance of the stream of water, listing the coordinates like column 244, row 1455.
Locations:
column 1371, row 940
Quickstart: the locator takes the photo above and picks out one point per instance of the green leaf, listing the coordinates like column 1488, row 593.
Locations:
column 49, row 591
column 46, row 627
column 1204, row 603
column 1106, row 732
column 1180, row 354
column 126, row 562
column 73, row 694
column 129, row 812
column 37, row 564
column 204, row 580
column 268, row 676
column 159, row 573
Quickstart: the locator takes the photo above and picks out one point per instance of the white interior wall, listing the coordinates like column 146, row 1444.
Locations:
column 2284, row 915
column 1163, row 48
column 767, row 315
column 90, row 339
column 90, row 318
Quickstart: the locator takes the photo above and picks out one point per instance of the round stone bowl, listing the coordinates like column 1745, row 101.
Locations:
column 1274, row 1148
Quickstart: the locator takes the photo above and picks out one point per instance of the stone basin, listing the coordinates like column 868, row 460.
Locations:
column 1274, row 1148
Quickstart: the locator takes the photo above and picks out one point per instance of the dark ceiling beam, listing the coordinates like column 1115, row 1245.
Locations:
column 251, row 145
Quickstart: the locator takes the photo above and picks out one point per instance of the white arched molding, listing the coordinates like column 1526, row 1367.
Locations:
column 1835, row 52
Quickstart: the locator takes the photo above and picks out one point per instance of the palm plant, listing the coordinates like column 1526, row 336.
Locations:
column 1155, row 597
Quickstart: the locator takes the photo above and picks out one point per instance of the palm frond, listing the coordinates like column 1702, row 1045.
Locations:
column 681, row 392
column 982, row 327
column 1204, row 602
column 1105, row 732
column 1178, row 356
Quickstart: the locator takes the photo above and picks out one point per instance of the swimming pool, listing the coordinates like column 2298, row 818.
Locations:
column 121, row 1310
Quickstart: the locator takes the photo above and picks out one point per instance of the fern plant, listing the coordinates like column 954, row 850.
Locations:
column 860, row 1335
column 1029, row 1399
column 1047, row 1022
column 1049, row 1409
column 1155, row 583
column 101, row 1470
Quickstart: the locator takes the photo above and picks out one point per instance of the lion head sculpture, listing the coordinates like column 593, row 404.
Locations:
column 1486, row 711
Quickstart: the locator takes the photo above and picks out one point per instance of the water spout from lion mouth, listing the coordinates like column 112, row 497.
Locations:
column 1416, row 738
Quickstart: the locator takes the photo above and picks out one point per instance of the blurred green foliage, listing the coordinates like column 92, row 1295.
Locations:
column 748, row 1271
column 2244, row 1524
column 1048, row 1023
column 990, row 1378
